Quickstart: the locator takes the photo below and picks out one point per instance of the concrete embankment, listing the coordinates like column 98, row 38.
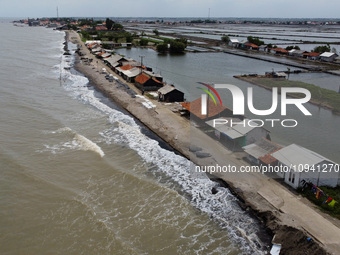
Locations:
column 282, row 212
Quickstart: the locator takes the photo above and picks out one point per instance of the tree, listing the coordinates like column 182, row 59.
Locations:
column 255, row 40
column 225, row 39
column 117, row 26
column 293, row 47
column 183, row 40
column 322, row 49
column 156, row 32
column 177, row 47
column 143, row 42
column 116, row 38
column 109, row 23
column 129, row 38
column 334, row 50
column 162, row 47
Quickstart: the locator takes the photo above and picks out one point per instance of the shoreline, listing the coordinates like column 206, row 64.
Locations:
column 157, row 120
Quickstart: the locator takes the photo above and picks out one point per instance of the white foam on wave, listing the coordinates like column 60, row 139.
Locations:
column 77, row 142
column 221, row 206
column 87, row 145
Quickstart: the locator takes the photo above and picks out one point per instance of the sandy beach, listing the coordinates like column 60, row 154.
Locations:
column 289, row 217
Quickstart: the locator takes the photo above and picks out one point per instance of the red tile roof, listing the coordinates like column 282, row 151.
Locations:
column 126, row 67
column 268, row 158
column 142, row 78
column 280, row 50
column 251, row 45
column 194, row 107
column 101, row 28
column 312, row 54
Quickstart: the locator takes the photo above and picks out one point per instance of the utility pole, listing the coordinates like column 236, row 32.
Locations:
column 57, row 13
column 209, row 14
column 141, row 63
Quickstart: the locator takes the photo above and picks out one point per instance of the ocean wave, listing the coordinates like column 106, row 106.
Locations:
column 222, row 206
column 77, row 142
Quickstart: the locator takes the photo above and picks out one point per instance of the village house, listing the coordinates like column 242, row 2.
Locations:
column 213, row 111
column 170, row 94
column 115, row 61
column 145, row 82
column 259, row 152
column 234, row 43
column 279, row 51
column 328, row 56
column 296, row 53
column 263, row 48
column 251, row 46
column 311, row 55
column 304, row 164
column 157, row 76
column 238, row 132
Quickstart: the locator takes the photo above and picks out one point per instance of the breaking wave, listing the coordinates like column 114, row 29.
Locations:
column 77, row 142
column 222, row 206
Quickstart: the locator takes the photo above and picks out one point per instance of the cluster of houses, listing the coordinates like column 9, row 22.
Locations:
column 135, row 72
column 325, row 57
column 254, row 140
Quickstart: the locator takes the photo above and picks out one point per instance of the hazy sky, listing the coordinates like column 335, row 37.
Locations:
column 172, row 8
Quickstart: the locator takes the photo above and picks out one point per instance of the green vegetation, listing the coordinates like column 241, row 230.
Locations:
column 225, row 39
column 203, row 21
column 156, row 32
column 332, row 192
column 293, row 47
column 255, row 40
column 109, row 24
column 112, row 35
column 176, row 46
column 320, row 96
column 162, row 48
column 143, row 42
column 322, row 49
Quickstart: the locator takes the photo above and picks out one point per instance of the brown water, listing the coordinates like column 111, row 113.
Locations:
column 79, row 176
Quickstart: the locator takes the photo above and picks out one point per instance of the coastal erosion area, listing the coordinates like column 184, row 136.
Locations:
column 289, row 218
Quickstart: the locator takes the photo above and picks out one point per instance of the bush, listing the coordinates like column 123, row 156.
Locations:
column 143, row 42
column 162, row 47
column 177, row 47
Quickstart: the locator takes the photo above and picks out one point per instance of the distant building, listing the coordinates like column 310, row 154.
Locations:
column 279, row 51
column 234, row 43
column 311, row 55
column 251, row 46
column 328, row 56
column 304, row 164
column 170, row 94
column 296, row 53
column 101, row 28
column 263, row 48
